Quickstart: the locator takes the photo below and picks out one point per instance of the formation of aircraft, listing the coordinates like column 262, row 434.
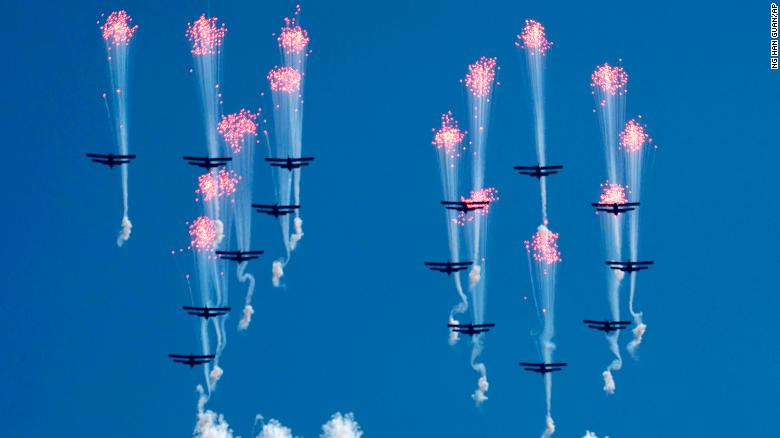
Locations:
column 290, row 163
column 239, row 256
column 275, row 210
column 465, row 206
column 538, row 171
column 111, row 160
column 470, row 329
column 206, row 312
column 615, row 208
column 207, row 162
column 191, row 359
column 606, row 326
column 448, row 267
column 541, row 367
column 628, row 266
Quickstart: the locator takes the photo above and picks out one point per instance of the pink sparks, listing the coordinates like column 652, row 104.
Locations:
column 533, row 37
column 284, row 79
column 217, row 184
column 207, row 187
column 610, row 79
column 293, row 39
column 544, row 247
column 206, row 37
column 633, row 136
column 449, row 137
column 488, row 194
column 228, row 180
column 613, row 193
column 479, row 79
column 203, row 232
column 118, row 28
column 236, row 127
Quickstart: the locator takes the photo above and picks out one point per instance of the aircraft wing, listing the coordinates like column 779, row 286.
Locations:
column 590, row 321
column 490, row 324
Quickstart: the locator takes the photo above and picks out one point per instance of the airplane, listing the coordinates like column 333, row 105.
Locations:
column 615, row 208
column 275, row 210
column 629, row 266
column 606, row 326
column 207, row 163
column 206, row 312
column 448, row 267
column 542, row 368
column 470, row 329
column 538, row 171
column 465, row 206
column 191, row 359
column 290, row 163
column 111, row 160
column 238, row 256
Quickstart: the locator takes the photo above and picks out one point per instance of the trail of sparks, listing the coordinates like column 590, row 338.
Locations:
column 286, row 83
column 534, row 41
column 117, row 31
column 543, row 258
column 634, row 141
column 448, row 141
column 239, row 131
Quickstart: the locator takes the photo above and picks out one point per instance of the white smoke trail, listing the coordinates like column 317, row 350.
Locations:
column 482, row 383
column 277, row 271
column 127, row 227
column 589, row 434
column 298, row 232
column 341, row 426
column 245, row 277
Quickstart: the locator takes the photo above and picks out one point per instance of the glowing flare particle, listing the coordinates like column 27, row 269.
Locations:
column 236, row 127
column 613, row 193
column 206, row 37
column 203, row 232
column 217, row 184
column 284, row 79
column 533, row 38
column 479, row 79
column 293, row 38
column 609, row 79
column 118, row 28
column 488, row 194
column 544, row 247
column 449, row 137
column 633, row 136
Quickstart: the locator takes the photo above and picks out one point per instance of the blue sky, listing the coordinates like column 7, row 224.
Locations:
column 360, row 326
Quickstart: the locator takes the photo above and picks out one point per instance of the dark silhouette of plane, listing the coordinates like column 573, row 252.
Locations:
column 542, row 368
column 191, row 359
column 207, row 162
column 290, row 163
column 111, row 160
column 238, row 256
column 206, row 312
column 606, row 326
column 470, row 329
column 629, row 266
column 615, row 208
column 465, row 206
column 448, row 267
column 538, row 171
column 275, row 210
